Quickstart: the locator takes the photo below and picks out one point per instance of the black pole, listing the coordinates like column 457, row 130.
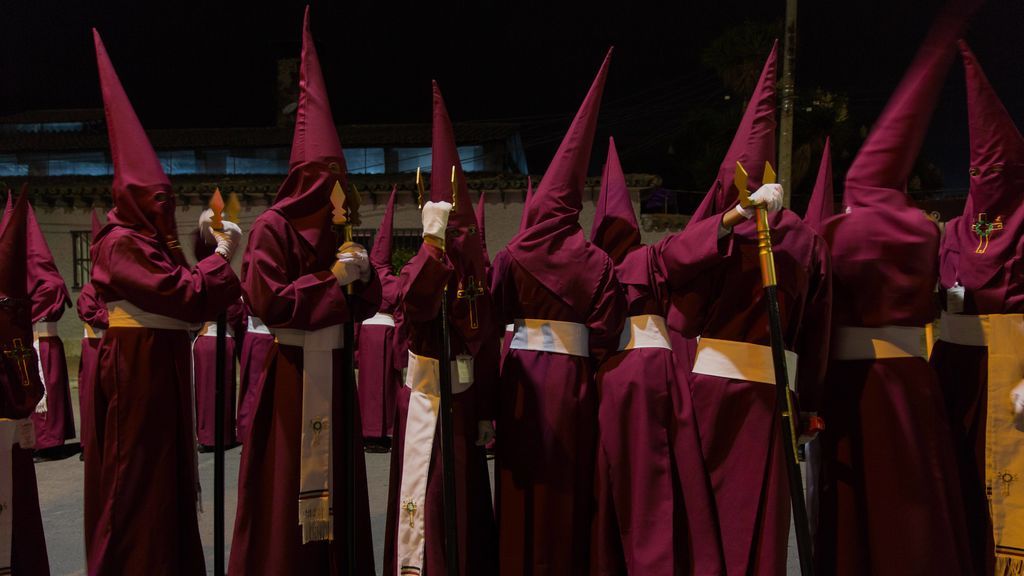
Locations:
column 787, row 424
column 348, row 405
column 218, row 440
column 448, row 444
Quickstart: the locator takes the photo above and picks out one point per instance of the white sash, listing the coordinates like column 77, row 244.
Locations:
column 12, row 432
column 1003, row 334
column 210, row 329
column 423, row 378
column 644, row 331
column 316, row 470
column 859, row 343
column 42, row 330
column 256, row 326
column 124, row 314
column 741, row 361
column 555, row 336
column 380, row 319
column 91, row 333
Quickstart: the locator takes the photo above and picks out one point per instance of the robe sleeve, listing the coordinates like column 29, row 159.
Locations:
column 686, row 254
column 307, row 302
column 815, row 328
column 91, row 309
column 607, row 317
column 149, row 279
column 421, row 282
column 503, row 293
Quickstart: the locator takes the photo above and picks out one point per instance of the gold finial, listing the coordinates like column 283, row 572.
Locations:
column 455, row 192
column 217, row 206
column 233, row 207
column 420, row 190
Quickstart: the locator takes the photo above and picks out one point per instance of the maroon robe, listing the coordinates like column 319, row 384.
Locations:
column 421, row 281
column 140, row 466
column 738, row 420
column 252, row 360
column 49, row 299
column 993, row 283
column 649, row 452
column 93, row 312
column 380, row 374
column 204, row 362
column 18, row 399
column 288, row 284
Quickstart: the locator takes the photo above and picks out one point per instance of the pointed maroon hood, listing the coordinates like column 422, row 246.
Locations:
column 820, row 208
column 143, row 198
column 526, row 203
column 46, row 285
column 752, row 145
column 380, row 254
column 317, row 159
column 879, row 173
column 462, row 245
column 552, row 246
column 615, row 229
column 996, row 184
column 480, row 216
column 16, row 400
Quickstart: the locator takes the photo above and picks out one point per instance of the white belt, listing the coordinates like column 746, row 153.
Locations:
column 210, row 329
column 124, row 314
column 644, row 331
column 510, row 327
column 256, row 326
column 551, row 336
column 967, row 330
column 44, row 330
column 380, row 319
column 740, row 361
column 316, row 472
column 93, row 333
column 12, row 432
column 859, row 343
column 424, row 380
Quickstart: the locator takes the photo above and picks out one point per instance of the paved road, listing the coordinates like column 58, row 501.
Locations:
column 60, row 498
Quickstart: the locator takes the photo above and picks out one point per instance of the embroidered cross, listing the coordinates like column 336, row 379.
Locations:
column 410, row 509
column 471, row 291
column 318, row 426
column 1007, row 478
column 983, row 228
column 21, row 354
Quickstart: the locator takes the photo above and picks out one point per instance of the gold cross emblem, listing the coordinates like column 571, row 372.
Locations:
column 318, row 425
column 21, row 354
column 983, row 228
column 410, row 508
column 1007, row 478
column 471, row 291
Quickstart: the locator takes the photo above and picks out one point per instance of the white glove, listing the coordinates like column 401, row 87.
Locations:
column 485, row 432
column 352, row 264
column 226, row 239
column 435, row 219
column 1017, row 397
column 769, row 195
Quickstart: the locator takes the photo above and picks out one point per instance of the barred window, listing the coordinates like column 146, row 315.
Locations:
column 81, row 261
column 405, row 242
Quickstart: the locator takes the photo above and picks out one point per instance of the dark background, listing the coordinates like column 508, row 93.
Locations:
column 211, row 64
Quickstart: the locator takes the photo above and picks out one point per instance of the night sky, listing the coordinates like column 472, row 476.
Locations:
column 203, row 64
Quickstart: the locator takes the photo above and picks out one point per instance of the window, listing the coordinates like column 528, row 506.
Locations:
column 81, row 261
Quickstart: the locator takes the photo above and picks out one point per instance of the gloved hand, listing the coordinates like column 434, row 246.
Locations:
column 226, row 239
column 1017, row 397
column 485, row 432
column 769, row 195
column 352, row 264
column 435, row 220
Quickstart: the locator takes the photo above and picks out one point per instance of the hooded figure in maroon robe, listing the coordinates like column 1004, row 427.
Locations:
column 653, row 516
column 93, row 313
column 560, row 292
column 204, row 364
column 506, row 338
column 451, row 256
column 380, row 371
column 888, row 492
column 292, row 486
column 732, row 381
column 981, row 339
column 22, row 545
column 141, row 482
column 54, row 418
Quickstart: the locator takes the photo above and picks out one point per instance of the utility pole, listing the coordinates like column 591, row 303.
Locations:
column 788, row 103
